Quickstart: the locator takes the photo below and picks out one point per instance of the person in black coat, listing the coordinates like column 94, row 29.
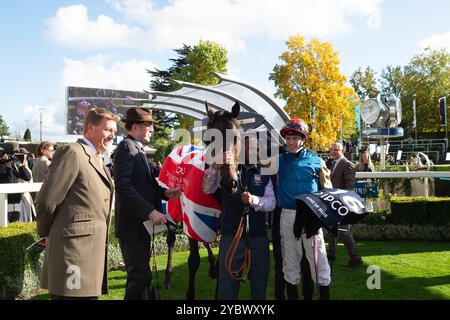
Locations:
column 138, row 198
column 12, row 168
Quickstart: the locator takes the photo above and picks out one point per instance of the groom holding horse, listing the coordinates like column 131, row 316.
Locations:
column 244, row 245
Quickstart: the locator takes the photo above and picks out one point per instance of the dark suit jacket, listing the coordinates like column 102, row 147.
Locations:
column 137, row 191
column 343, row 175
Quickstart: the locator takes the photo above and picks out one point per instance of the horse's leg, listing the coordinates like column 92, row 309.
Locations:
column 212, row 262
column 170, row 240
column 193, row 264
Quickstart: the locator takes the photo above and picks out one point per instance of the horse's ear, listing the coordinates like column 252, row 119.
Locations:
column 209, row 111
column 236, row 109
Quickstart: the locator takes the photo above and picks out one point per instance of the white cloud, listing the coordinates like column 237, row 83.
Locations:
column 102, row 72
column 229, row 22
column 72, row 28
column 437, row 41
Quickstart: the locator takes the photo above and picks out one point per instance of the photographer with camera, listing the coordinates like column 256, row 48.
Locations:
column 12, row 168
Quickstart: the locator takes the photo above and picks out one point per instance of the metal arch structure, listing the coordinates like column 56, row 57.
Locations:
column 189, row 100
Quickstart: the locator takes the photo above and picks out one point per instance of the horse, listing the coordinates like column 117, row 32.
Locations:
column 188, row 167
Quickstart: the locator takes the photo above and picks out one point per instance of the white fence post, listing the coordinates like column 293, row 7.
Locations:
column 7, row 188
column 3, row 210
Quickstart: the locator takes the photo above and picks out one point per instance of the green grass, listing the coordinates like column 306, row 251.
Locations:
column 409, row 270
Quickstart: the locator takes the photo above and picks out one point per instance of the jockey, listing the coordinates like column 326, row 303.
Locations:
column 300, row 171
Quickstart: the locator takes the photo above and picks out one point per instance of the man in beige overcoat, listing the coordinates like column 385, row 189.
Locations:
column 74, row 213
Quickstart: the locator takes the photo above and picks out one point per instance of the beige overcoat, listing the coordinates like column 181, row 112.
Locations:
column 74, row 212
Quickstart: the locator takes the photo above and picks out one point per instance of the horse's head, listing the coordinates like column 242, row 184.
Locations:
column 225, row 123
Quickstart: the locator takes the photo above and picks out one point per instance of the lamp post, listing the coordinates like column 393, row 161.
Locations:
column 414, row 120
column 40, row 124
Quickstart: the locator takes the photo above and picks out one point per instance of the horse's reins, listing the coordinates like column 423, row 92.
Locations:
column 243, row 225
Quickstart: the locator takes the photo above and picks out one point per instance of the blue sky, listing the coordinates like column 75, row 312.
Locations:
column 47, row 45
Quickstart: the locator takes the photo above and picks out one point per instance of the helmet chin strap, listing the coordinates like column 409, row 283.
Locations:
column 300, row 149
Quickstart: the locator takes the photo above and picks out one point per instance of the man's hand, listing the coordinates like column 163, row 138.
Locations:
column 247, row 198
column 173, row 193
column 7, row 161
column 43, row 242
column 157, row 217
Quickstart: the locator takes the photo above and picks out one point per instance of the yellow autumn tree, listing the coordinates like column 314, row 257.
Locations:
column 314, row 89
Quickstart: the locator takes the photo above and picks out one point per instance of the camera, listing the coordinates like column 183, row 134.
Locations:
column 18, row 157
column 15, row 157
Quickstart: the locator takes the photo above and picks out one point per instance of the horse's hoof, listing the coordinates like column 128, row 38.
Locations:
column 168, row 285
column 190, row 295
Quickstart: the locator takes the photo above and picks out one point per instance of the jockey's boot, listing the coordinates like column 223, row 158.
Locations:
column 292, row 291
column 307, row 289
column 324, row 292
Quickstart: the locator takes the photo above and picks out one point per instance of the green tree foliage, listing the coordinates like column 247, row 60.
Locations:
column 27, row 135
column 192, row 64
column 364, row 83
column 391, row 81
column 200, row 62
column 426, row 79
column 4, row 129
column 310, row 81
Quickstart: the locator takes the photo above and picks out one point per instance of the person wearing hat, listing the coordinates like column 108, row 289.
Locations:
column 300, row 171
column 138, row 198
column 73, row 211
column 13, row 169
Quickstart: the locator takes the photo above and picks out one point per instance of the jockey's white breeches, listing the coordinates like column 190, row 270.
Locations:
column 292, row 251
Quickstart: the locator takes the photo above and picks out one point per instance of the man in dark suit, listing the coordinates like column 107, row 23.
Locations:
column 138, row 198
column 343, row 177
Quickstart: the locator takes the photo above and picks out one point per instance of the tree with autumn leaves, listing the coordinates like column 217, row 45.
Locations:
column 315, row 90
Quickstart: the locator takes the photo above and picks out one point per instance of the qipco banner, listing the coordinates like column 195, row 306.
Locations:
column 333, row 207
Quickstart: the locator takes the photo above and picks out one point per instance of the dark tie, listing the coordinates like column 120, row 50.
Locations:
column 333, row 164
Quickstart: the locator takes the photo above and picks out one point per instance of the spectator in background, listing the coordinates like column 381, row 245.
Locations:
column 365, row 163
column 12, row 168
column 31, row 160
column 26, row 209
column 343, row 177
column 158, row 168
column 44, row 154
